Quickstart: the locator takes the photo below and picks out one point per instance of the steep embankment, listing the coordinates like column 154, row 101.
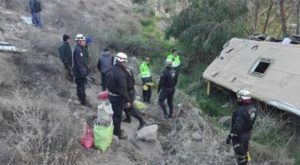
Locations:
column 41, row 121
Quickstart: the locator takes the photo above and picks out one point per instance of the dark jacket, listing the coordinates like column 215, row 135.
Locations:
column 35, row 6
column 86, row 54
column 65, row 53
column 130, row 80
column 79, row 67
column 241, row 122
column 167, row 80
column 105, row 62
column 117, row 81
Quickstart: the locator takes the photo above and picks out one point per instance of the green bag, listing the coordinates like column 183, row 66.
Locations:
column 103, row 137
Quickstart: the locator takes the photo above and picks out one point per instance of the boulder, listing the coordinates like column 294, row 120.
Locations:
column 226, row 120
column 148, row 133
column 196, row 136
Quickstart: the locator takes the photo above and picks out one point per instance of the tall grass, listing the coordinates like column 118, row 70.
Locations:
column 37, row 131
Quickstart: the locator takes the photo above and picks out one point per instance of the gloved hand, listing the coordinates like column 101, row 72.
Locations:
column 228, row 139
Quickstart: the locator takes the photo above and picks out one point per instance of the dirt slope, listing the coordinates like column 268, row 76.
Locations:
column 41, row 121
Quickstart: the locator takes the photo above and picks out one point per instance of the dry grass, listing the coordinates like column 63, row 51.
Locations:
column 37, row 131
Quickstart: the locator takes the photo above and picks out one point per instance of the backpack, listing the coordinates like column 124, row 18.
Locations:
column 37, row 6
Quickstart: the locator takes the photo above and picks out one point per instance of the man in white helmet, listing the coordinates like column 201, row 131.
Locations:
column 118, row 91
column 242, row 122
column 80, row 69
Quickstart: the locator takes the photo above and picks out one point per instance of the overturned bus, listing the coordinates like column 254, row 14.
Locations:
column 269, row 70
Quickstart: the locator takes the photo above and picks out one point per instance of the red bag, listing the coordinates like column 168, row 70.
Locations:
column 87, row 140
column 103, row 95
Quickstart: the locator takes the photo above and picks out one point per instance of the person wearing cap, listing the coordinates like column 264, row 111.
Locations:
column 104, row 65
column 65, row 54
column 86, row 53
column 145, row 73
column 242, row 122
column 80, row 69
column 118, row 91
column 166, row 89
column 176, row 63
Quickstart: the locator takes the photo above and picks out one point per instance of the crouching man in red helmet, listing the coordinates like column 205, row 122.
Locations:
column 242, row 122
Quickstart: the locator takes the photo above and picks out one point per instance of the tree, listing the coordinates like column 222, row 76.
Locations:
column 205, row 25
column 268, row 16
column 298, row 16
column 283, row 18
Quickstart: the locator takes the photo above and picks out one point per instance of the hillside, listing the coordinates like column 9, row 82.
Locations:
column 41, row 121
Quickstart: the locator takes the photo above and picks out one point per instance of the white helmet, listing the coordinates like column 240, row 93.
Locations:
column 243, row 95
column 121, row 57
column 80, row 37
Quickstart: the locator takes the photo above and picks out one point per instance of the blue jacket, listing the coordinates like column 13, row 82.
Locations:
column 79, row 66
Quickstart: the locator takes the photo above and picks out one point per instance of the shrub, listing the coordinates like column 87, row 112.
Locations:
column 37, row 130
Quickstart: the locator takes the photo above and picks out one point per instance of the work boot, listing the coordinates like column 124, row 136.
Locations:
column 127, row 120
column 86, row 103
column 122, row 136
column 142, row 124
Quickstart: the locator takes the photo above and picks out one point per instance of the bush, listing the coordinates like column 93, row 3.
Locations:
column 37, row 130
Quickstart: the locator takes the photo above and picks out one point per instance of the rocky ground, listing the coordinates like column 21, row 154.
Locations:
column 41, row 121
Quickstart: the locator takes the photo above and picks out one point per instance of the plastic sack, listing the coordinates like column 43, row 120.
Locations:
column 139, row 105
column 103, row 95
column 87, row 140
column 103, row 137
column 104, row 114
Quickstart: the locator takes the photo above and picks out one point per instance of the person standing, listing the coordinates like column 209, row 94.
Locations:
column 104, row 65
column 166, row 89
column 118, row 92
column 242, row 122
column 65, row 54
column 145, row 73
column 80, row 69
column 131, row 111
column 36, row 8
column 176, row 63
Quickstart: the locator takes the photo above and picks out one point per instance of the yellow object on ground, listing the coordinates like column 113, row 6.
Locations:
column 150, row 84
column 248, row 156
column 103, row 137
column 139, row 105
column 145, row 87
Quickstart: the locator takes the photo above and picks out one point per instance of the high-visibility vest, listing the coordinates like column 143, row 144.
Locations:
column 176, row 60
column 145, row 70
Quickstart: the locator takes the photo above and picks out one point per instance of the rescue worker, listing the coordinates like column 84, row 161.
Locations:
column 65, row 54
column 80, row 69
column 131, row 111
column 176, row 63
column 35, row 8
column 118, row 91
column 146, row 78
column 242, row 122
column 104, row 65
column 166, row 88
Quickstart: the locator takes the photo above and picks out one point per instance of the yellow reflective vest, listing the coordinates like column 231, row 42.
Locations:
column 176, row 60
column 145, row 70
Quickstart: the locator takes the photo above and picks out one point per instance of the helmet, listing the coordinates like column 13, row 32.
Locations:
column 121, row 57
column 80, row 37
column 169, row 62
column 243, row 95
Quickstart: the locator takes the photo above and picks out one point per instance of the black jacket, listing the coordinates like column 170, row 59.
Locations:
column 167, row 80
column 130, row 80
column 79, row 68
column 241, row 122
column 65, row 53
column 117, row 81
